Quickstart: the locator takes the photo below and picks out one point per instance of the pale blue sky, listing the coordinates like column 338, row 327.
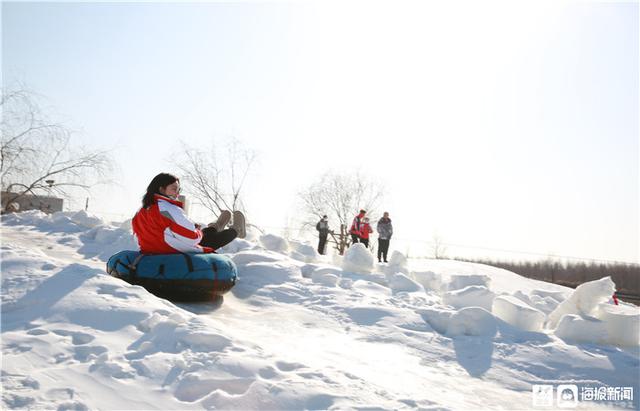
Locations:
column 510, row 125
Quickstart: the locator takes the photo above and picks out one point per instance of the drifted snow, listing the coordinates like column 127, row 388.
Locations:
column 298, row 331
column 273, row 242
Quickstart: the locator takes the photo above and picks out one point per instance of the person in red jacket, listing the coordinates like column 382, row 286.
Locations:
column 356, row 227
column 161, row 226
column 365, row 230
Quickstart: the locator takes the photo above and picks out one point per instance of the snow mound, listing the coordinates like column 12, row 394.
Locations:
column 236, row 246
column 459, row 281
column 358, row 259
column 86, row 220
column 275, row 243
column 304, row 252
column 397, row 264
column 325, row 278
column 518, row 313
column 402, row 283
column 253, row 256
column 471, row 296
column 430, row 280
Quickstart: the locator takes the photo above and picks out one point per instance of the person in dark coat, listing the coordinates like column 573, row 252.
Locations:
column 385, row 231
column 323, row 232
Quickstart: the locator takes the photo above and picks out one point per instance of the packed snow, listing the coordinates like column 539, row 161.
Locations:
column 298, row 331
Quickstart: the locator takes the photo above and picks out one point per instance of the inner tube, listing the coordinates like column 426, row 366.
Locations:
column 177, row 277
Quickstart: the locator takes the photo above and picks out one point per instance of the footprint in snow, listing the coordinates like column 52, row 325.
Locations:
column 86, row 353
column 77, row 338
column 37, row 331
column 288, row 366
column 193, row 388
column 268, row 373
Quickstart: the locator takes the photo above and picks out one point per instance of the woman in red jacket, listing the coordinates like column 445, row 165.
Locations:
column 161, row 226
column 365, row 230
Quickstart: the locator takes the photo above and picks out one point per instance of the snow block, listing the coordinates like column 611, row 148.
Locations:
column 516, row 312
column 438, row 319
column 459, row 281
column 428, row 279
column 357, row 259
column 622, row 323
column 584, row 300
column 575, row 329
column 471, row 296
column 275, row 243
column 400, row 282
column 474, row 321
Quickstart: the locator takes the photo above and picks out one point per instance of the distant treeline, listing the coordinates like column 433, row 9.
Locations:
column 626, row 276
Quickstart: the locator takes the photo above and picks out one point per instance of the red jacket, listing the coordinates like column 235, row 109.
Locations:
column 365, row 231
column 163, row 228
column 356, row 226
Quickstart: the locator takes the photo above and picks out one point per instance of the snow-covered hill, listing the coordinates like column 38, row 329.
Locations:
column 299, row 331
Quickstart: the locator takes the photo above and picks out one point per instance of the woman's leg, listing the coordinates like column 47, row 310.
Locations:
column 216, row 239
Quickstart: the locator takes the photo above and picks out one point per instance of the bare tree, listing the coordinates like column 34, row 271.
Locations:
column 213, row 181
column 36, row 155
column 438, row 247
column 340, row 196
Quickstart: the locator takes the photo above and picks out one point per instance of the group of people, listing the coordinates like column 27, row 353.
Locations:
column 162, row 227
column 360, row 231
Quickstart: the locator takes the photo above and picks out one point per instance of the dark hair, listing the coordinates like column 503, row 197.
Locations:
column 161, row 180
column 363, row 212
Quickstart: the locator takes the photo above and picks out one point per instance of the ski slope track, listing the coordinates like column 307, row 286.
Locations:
column 298, row 331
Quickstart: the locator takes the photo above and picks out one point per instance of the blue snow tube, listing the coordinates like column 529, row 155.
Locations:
column 180, row 277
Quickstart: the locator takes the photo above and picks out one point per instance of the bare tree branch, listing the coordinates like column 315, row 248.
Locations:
column 213, row 182
column 36, row 155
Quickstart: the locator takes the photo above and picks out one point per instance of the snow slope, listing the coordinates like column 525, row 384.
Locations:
column 299, row 330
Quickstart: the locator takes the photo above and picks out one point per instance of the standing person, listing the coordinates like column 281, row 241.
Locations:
column 161, row 226
column 385, row 231
column 356, row 227
column 323, row 230
column 365, row 230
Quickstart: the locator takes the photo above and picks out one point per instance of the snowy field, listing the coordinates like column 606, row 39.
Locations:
column 299, row 331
